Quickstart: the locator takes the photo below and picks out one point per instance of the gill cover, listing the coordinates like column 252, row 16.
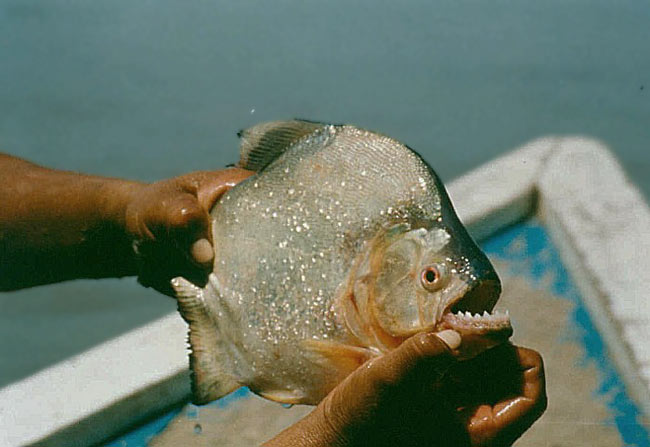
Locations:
column 400, row 300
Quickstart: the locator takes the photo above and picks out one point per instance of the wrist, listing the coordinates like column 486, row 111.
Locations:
column 113, row 198
column 112, row 234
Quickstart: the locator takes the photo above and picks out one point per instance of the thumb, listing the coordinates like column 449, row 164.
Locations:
column 425, row 355
column 395, row 386
column 213, row 185
column 420, row 360
column 187, row 225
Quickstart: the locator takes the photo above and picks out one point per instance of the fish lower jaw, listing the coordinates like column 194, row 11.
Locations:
column 466, row 322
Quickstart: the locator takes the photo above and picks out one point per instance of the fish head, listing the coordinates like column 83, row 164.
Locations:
column 435, row 277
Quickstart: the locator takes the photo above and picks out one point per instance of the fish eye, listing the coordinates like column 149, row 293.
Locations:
column 432, row 277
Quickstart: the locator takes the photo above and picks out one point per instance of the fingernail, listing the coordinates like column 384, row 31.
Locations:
column 202, row 251
column 450, row 337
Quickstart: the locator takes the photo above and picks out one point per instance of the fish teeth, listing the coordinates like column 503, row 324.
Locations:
column 496, row 316
column 495, row 319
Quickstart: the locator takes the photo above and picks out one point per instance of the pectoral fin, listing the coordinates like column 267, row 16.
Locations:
column 345, row 358
column 210, row 380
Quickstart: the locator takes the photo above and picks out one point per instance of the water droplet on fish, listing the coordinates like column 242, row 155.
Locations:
column 198, row 429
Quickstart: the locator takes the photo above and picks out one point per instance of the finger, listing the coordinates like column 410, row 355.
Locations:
column 215, row 184
column 423, row 354
column 485, row 379
column 513, row 417
column 451, row 338
column 159, row 263
column 504, row 422
column 207, row 187
column 181, row 246
column 186, row 222
column 162, row 262
column 202, row 251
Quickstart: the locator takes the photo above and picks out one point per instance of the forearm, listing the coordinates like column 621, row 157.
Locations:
column 311, row 431
column 59, row 225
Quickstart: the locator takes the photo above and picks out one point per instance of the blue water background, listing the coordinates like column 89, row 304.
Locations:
column 149, row 89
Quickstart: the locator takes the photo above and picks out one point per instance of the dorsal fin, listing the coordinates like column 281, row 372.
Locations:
column 264, row 142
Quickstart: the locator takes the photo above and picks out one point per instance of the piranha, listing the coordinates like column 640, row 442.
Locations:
column 341, row 246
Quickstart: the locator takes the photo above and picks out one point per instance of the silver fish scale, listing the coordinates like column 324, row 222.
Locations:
column 286, row 238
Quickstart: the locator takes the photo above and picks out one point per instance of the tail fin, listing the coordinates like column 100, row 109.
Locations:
column 209, row 379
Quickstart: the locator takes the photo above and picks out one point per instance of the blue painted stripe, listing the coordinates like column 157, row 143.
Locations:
column 532, row 254
column 140, row 436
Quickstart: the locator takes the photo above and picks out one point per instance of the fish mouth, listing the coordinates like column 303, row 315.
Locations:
column 466, row 322
column 471, row 313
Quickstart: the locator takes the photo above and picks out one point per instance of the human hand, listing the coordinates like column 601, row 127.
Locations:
column 497, row 395
column 169, row 223
column 419, row 394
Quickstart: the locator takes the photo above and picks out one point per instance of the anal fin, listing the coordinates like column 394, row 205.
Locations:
column 283, row 396
column 210, row 380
